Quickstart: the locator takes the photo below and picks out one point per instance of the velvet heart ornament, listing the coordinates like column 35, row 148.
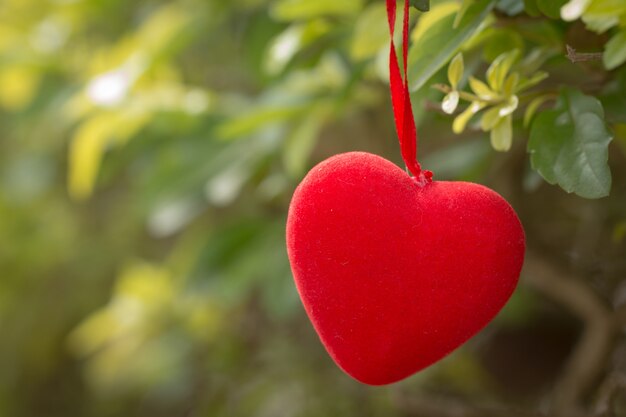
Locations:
column 395, row 274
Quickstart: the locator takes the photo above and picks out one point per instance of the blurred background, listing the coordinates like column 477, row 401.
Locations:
column 148, row 153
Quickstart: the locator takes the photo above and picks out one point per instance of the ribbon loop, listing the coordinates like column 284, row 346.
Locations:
column 400, row 97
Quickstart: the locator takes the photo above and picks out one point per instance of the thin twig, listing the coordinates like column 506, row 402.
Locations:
column 575, row 57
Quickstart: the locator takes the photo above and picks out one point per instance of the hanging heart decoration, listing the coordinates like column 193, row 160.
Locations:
column 396, row 271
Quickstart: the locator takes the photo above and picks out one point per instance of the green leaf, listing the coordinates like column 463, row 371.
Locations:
column 509, row 106
column 502, row 134
column 500, row 41
column 532, row 109
column 465, row 5
column 499, row 68
column 301, row 143
column 434, row 47
column 481, row 89
column 371, row 32
column 490, row 119
column 568, row 146
column 510, row 7
column 455, row 71
column 551, row 8
column 305, row 9
column 615, row 51
column 531, row 8
column 458, row 126
column 511, row 83
column 421, row 5
column 526, row 83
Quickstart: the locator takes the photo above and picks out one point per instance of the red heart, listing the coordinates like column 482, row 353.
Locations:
column 394, row 275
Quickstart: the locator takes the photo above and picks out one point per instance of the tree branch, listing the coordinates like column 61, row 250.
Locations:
column 590, row 354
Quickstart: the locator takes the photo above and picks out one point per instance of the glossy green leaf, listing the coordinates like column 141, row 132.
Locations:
column 569, row 145
column 435, row 47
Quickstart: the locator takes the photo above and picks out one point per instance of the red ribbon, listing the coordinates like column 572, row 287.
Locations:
column 401, row 99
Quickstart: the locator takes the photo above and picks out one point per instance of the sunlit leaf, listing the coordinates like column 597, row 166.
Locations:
column 455, row 71
column 432, row 18
column 432, row 48
column 18, row 87
column 305, row 9
column 90, row 142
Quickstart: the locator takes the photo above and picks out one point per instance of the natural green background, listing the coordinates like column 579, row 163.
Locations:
column 148, row 152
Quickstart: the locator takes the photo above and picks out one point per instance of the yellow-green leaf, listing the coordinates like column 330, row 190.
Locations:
column 509, row 106
column 458, row 126
column 510, row 84
column 455, row 70
column 615, row 51
column 532, row 109
column 490, row 118
column 428, row 20
column 306, row 9
column 499, row 69
column 481, row 89
column 502, row 134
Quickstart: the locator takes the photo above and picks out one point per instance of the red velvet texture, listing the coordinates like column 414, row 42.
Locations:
column 394, row 275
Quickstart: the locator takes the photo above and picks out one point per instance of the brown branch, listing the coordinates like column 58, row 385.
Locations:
column 575, row 57
column 607, row 390
column 447, row 407
column 590, row 354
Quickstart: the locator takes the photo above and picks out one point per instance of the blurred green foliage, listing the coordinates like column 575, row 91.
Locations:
column 149, row 149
